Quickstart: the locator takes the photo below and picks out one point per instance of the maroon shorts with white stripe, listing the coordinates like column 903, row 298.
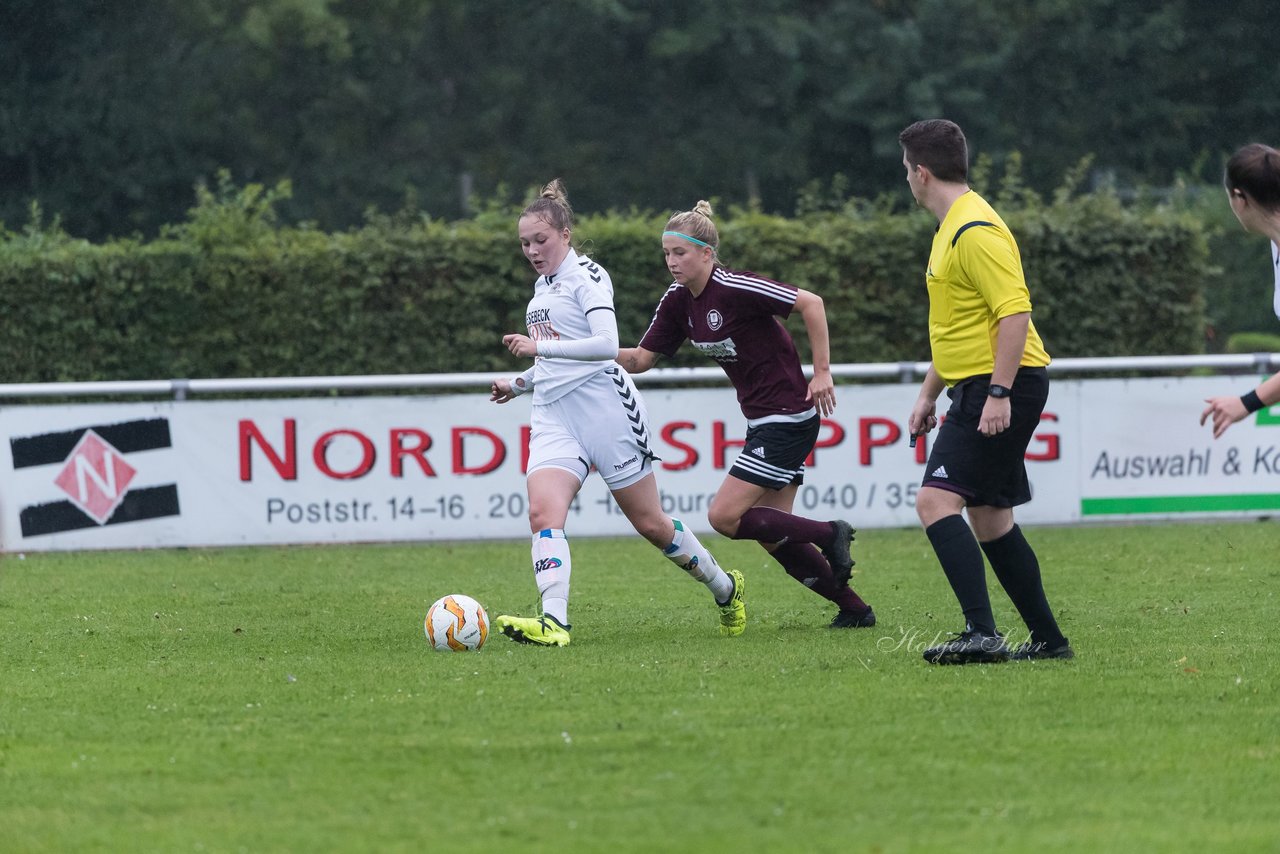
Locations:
column 774, row 454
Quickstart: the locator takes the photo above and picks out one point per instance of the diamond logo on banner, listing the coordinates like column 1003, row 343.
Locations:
column 95, row 476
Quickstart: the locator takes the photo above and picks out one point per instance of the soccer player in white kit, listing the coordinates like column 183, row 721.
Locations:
column 1253, row 190
column 586, row 412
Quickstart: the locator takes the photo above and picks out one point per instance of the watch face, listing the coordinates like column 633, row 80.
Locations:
column 997, row 391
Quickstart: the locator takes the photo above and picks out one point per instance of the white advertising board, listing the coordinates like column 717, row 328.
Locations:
column 197, row 473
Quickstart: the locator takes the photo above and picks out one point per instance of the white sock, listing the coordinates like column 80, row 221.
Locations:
column 690, row 555
column 551, row 569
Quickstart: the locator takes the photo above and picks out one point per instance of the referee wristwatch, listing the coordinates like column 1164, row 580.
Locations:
column 994, row 390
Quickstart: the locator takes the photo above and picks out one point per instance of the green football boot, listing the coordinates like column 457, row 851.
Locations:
column 541, row 631
column 733, row 614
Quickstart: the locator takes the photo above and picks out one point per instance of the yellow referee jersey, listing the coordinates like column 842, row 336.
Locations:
column 975, row 278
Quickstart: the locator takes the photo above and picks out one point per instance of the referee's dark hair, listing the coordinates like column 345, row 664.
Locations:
column 1255, row 171
column 939, row 146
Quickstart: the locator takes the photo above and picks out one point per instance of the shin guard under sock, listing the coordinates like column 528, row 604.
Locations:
column 688, row 553
column 769, row 525
column 805, row 564
column 957, row 550
column 1018, row 570
column 551, row 570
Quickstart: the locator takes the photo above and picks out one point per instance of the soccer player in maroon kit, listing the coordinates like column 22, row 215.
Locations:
column 734, row 317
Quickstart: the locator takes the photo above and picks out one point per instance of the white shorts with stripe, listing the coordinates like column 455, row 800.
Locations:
column 601, row 423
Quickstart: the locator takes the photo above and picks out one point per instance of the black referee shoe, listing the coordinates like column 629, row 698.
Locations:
column 854, row 620
column 970, row 647
column 1034, row 651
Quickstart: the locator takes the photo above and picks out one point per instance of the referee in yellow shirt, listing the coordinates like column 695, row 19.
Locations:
column 988, row 356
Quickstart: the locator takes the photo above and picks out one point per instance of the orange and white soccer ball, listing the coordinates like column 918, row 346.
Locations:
column 456, row 623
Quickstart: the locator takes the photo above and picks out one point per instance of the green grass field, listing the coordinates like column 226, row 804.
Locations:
column 286, row 700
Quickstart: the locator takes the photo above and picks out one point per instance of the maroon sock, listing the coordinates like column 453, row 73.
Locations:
column 806, row 564
column 769, row 525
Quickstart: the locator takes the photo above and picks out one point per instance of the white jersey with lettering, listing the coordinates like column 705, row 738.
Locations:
column 561, row 312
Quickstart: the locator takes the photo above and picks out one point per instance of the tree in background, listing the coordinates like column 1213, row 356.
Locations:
column 111, row 111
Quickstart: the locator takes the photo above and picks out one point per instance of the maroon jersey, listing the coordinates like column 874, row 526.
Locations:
column 735, row 320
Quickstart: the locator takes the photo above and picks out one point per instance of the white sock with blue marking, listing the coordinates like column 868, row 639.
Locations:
column 551, row 570
column 690, row 555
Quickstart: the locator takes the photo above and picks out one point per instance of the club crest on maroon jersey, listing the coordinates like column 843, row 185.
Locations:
column 715, row 319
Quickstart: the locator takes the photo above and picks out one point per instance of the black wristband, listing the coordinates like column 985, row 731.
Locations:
column 1251, row 401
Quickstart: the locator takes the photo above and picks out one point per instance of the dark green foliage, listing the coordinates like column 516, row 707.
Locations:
column 1113, row 281
column 1253, row 342
column 230, row 293
column 112, row 111
column 1239, row 295
column 109, row 113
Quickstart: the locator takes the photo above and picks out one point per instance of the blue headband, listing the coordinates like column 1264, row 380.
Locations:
column 688, row 238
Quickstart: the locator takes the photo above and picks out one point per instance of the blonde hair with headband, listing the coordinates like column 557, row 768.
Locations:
column 695, row 226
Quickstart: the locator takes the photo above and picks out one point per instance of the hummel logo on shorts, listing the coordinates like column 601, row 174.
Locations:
column 940, row 471
column 759, row 452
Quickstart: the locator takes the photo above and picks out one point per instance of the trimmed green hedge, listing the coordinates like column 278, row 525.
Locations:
column 1253, row 342
column 231, row 294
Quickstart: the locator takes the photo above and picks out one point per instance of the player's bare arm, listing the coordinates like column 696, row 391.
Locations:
column 1226, row 410
column 636, row 360
column 1011, row 341
column 822, row 388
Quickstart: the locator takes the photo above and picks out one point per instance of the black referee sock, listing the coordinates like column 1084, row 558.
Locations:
column 961, row 559
column 1016, row 566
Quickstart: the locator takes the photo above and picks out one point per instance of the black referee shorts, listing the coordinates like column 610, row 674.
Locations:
column 987, row 470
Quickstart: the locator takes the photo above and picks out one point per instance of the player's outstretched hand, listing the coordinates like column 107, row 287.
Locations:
column 1225, row 411
column 500, row 391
